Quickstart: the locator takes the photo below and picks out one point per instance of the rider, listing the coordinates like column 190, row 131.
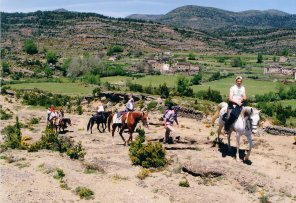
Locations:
column 130, row 104
column 60, row 115
column 48, row 114
column 101, row 111
column 237, row 96
column 170, row 117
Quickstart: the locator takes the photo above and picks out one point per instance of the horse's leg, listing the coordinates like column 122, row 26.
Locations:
column 237, row 145
column 120, row 133
column 228, row 139
column 219, row 132
column 91, row 126
column 113, row 130
column 250, row 141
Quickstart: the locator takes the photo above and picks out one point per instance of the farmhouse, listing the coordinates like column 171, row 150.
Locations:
column 280, row 70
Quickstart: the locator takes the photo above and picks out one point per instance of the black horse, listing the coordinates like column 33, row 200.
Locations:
column 99, row 119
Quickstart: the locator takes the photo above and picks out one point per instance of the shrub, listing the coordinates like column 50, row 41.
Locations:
column 152, row 105
column 211, row 95
column 114, row 49
column 144, row 173
column 191, row 56
column 237, row 62
column 92, row 79
column 5, row 67
column 146, row 155
column 4, row 115
column 51, row 57
column 196, row 80
column 35, row 120
column 96, row 91
column 183, row 87
column 50, row 140
column 30, row 47
column 76, row 152
column 84, row 193
column 14, row 135
column 260, row 58
column 164, row 91
column 184, row 183
column 48, row 72
column 60, row 174
column 79, row 110
column 135, row 87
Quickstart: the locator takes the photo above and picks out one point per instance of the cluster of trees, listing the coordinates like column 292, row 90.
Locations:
column 282, row 93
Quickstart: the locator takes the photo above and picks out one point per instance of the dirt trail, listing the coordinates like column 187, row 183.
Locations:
column 272, row 171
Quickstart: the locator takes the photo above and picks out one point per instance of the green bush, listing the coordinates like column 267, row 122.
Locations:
column 191, row 56
column 237, row 62
column 14, row 135
column 35, row 120
column 184, row 183
column 30, row 47
column 260, row 58
column 5, row 67
column 51, row 57
column 60, row 174
column 211, row 95
column 183, row 87
column 4, row 115
column 164, row 91
column 50, row 140
column 96, row 91
column 152, row 105
column 84, row 193
column 146, row 155
column 76, row 152
column 79, row 110
column 114, row 49
column 196, row 80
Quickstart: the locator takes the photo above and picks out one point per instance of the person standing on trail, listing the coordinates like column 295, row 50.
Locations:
column 170, row 117
column 237, row 96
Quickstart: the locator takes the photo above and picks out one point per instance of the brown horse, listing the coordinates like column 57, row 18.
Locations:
column 128, row 121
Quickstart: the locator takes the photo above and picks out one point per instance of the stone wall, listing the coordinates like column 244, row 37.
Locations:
column 281, row 131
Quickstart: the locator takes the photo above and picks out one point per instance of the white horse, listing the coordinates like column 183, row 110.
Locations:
column 246, row 124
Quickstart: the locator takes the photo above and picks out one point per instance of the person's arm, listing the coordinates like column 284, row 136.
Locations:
column 176, row 120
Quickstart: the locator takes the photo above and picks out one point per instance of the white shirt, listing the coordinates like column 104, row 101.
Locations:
column 101, row 109
column 237, row 92
column 130, row 105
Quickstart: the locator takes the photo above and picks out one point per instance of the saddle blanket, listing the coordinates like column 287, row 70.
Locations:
column 118, row 119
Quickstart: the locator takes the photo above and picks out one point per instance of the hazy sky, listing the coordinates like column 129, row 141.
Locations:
column 122, row 8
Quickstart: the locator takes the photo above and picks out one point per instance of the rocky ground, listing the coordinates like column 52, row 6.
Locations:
column 212, row 172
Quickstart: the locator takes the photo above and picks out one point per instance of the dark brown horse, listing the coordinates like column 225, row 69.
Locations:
column 129, row 121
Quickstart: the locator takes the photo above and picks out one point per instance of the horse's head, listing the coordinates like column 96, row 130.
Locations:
column 145, row 119
column 254, row 116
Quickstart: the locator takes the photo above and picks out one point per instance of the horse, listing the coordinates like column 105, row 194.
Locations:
column 127, row 121
column 63, row 124
column 98, row 119
column 246, row 123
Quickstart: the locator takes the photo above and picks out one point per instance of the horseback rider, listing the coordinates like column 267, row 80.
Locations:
column 60, row 116
column 170, row 117
column 130, row 104
column 48, row 114
column 100, row 111
column 237, row 96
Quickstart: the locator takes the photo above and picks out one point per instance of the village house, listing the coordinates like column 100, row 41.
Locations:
column 280, row 70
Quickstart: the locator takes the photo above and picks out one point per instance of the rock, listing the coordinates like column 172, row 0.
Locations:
column 200, row 169
column 277, row 130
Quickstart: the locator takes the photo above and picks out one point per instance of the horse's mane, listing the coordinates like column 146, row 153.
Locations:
column 248, row 110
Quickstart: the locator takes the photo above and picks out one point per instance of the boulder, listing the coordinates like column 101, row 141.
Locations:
column 203, row 170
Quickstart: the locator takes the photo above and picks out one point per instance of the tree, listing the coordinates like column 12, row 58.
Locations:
column 51, row 57
column 164, row 90
column 285, row 52
column 196, row 80
column 236, row 62
column 114, row 49
column 191, row 56
column 183, row 87
column 48, row 72
column 30, row 47
column 5, row 68
column 260, row 58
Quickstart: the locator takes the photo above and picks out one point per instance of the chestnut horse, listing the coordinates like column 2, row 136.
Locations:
column 128, row 121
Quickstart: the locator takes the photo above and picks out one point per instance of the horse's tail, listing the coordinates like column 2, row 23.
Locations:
column 109, row 121
column 216, row 115
column 89, row 122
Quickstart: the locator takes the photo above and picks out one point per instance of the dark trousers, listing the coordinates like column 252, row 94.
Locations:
column 234, row 114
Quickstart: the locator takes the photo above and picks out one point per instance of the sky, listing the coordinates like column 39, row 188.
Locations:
column 123, row 8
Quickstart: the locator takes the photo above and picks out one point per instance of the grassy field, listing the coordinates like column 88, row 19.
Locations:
column 71, row 89
column 291, row 103
column 252, row 86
